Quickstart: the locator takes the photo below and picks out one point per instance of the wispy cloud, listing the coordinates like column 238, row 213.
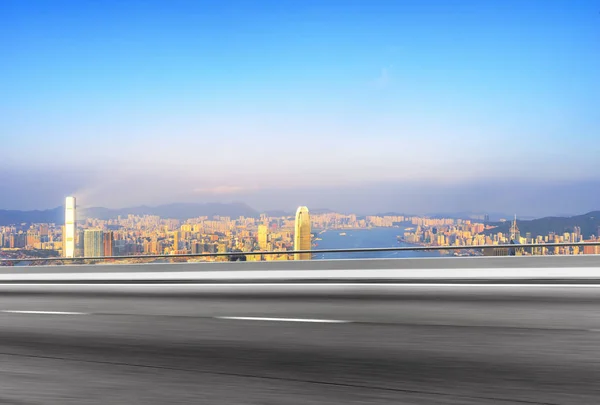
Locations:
column 384, row 79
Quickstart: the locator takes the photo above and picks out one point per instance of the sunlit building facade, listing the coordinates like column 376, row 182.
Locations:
column 108, row 243
column 302, row 235
column 70, row 224
column 93, row 244
column 262, row 237
column 175, row 241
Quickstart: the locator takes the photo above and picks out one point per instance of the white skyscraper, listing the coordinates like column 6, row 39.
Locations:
column 70, row 220
column 302, row 234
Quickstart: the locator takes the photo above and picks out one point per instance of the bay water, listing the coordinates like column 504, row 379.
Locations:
column 364, row 238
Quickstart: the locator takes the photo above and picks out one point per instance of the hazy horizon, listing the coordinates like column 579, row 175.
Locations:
column 410, row 199
column 415, row 106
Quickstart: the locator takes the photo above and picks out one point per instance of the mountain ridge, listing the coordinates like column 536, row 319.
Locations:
column 14, row 217
column 174, row 211
column 588, row 222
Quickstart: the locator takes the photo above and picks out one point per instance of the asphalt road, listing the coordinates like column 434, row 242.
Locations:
column 426, row 348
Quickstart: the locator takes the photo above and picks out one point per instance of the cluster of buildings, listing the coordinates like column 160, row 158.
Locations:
column 135, row 235
column 151, row 235
column 459, row 232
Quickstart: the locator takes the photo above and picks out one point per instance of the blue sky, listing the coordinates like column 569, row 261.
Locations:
column 279, row 103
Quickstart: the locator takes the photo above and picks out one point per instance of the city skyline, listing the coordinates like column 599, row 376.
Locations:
column 130, row 238
column 398, row 105
column 300, row 201
column 243, row 209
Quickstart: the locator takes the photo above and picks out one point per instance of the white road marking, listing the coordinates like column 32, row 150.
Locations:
column 208, row 285
column 43, row 312
column 252, row 318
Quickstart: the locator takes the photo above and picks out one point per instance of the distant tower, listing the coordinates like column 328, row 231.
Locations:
column 70, row 224
column 302, row 234
column 515, row 234
column 93, row 245
column 262, row 237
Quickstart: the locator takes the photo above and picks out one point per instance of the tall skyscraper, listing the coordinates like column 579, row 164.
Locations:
column 108, row 243
column 93, row 244
column 262, row 237
column 515, row 234
column 302, row 234
column 176, row 240
column 70, row 224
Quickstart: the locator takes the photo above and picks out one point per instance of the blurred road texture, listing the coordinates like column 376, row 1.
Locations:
column 420, row 345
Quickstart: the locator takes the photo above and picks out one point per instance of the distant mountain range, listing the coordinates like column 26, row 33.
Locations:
column 13, row 217
column 281, row 213
column 175, row 211
column 393, row 214
column 588, row 223
column 493, row 216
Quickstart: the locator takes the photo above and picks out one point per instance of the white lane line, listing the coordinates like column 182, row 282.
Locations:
column 320, row 285
column 252, row 318
column 6, row 311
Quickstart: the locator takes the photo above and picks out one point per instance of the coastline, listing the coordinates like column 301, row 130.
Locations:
column 357, row 238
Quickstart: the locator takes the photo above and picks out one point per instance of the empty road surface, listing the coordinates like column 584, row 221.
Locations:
column 424, row 346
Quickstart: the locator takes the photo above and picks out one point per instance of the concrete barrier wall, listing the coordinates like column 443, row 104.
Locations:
column 513, row 262
column 575, row 277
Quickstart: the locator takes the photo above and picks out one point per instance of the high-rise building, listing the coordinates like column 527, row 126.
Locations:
column 262, row 237
column 108, row 243
column 79, row 239
column 70, row 224
column 44, row 229
column 18, row 240
column 156, row 247
column 302, row 235
column 196, row 247
column 515, row 234
column 93, row 245
column 176, row 240
column 33, row 239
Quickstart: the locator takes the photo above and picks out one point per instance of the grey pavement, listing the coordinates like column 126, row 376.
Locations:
column 428, row 348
